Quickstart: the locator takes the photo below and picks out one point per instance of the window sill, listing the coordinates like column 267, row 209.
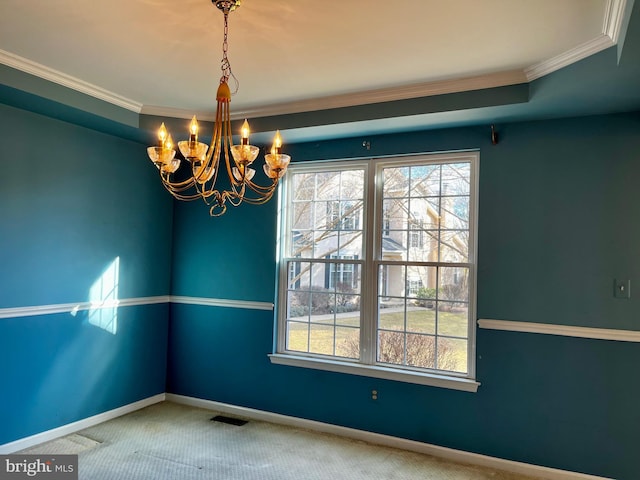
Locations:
column 375, row 371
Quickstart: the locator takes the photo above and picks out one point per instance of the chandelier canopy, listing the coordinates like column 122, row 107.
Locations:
column 201, row 165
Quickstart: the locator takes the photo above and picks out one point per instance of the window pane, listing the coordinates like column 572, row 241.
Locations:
column 452, row 354
column 425, row 180
column 456, row 178
column 321, row 339
column 391, row 280
column 392, row 317
column 391, row 347
column 396, row 182
column 298, row 305
column 454, row 246
column 298, row 336
column 452, row 321
column 347, row 342
column 421, row 320
column 423, row 245
column 327, row 214
column 303, row 186
column 327, row 186
column 421, row 351
column 455, row 213
column 454, row 285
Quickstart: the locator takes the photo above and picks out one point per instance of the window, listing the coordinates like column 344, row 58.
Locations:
column 378, row 266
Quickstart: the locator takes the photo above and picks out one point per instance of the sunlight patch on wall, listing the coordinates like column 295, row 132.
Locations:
column 103, row 297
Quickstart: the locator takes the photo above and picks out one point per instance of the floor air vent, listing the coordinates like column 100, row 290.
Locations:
column 229, row 420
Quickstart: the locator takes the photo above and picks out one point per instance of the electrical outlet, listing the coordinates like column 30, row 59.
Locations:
column 622, row 288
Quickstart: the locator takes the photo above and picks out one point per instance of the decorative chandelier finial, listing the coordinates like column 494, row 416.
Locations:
column 201, row 164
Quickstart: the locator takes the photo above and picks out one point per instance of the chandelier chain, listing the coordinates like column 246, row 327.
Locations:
column 226, row 65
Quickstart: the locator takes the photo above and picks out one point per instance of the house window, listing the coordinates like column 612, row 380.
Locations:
column 342, row 274
column 388, row 291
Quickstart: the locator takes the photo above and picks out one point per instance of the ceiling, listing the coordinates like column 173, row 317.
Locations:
column 162, row 57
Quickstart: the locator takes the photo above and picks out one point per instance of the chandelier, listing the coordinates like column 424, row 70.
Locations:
column 201, row 165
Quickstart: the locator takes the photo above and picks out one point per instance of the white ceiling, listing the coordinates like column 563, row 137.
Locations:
column 163, row 56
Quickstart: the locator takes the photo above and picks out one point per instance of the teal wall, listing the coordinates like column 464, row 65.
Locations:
column 74, row 200
column 559, row 219
column 559, row 209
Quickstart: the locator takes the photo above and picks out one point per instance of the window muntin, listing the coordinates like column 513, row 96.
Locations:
column 418, row 312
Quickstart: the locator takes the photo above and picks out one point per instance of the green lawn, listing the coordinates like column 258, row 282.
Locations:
column 318, row 336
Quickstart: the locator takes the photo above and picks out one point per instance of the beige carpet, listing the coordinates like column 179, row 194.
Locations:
column 168, row 441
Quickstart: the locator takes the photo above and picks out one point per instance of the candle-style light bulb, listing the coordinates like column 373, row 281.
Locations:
column 245, row 132
column 193, row 130
column 168, row 144
column 162, row 135
column 277, row 144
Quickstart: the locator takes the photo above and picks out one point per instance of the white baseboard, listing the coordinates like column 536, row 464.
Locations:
column 385, row 440
column 79, row 425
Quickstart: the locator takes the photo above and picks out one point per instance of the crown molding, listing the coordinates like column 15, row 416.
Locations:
column 613, row 18
column 55, row 76
column 611, row 26
column 574, row 55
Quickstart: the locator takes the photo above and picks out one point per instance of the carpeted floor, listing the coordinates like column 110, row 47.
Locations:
column 168, row 441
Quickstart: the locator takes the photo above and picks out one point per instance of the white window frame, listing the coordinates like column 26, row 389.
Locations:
column 372, row 215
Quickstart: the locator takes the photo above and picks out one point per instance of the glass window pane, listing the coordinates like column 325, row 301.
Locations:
column 347, row 342
column 421, row 320
column 325, row 243
column 425, row 180
column 421, row 351
column 322, row 305
column 456, row 178
column 302, row 216
column 396, row 182
column 299, row 275
column 455, row 213
column 392, row 317
column 299, row 305
column 327, row 186
column 321, row 339
column 391, row 347
column 298, row 336
column 349, row 315
column 454, row 284
column 350, row 244
column 421, row 284
column 352, row 184
column 396, row 210
column 303, row 186
column 452, row 355
column 423, row 245
column 391, row 281
column 452, row 321
column 454, row 246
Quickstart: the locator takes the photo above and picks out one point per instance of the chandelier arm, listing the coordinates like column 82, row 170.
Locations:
column 179, row 186
column 261, row 189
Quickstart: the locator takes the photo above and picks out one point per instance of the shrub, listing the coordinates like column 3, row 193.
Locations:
column 421, row 350
column 426, row 297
